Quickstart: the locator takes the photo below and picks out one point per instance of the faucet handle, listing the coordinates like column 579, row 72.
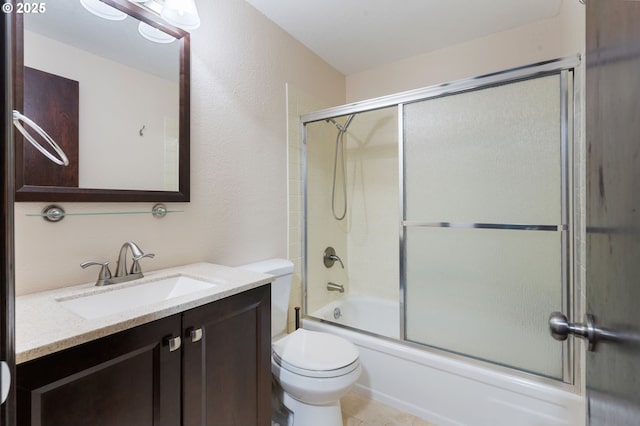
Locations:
column 329, row 256
column 135, row 268
column 103, row 275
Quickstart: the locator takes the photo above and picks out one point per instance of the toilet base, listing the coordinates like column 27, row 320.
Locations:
column 313, row 415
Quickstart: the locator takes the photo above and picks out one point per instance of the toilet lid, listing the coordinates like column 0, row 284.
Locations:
column 315, row 351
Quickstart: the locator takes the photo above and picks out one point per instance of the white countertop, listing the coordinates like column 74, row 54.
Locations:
column 43, row 326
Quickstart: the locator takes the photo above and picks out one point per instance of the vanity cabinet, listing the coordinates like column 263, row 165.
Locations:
column 227, row 369
column 220, row 374
column 129, row 378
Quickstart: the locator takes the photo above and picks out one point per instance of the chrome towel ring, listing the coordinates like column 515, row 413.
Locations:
column 61, row 160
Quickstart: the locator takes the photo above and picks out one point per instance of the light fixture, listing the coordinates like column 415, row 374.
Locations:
column 103, row 10
column 181, row 13
column 178, row 13
column 154, row 34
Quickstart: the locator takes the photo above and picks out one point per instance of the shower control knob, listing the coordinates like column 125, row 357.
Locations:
column 330, row 258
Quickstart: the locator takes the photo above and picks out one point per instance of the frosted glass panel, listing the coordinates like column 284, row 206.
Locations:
column 487, row 156
column 486, row 293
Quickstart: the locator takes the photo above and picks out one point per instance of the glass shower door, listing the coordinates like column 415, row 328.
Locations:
column 486, row 222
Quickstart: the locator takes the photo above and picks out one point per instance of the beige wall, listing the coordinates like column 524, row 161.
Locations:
column 562, row 35
column 238, row 210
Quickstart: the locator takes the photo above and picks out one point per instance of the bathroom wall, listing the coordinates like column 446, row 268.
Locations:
column 238, row 211
column 561, row 35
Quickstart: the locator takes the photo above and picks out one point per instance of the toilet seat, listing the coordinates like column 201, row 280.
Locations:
column 315, row 354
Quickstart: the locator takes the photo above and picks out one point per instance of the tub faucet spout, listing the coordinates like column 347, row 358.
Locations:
column 335, row 287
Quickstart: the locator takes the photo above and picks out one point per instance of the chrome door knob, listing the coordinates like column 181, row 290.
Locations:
column 174, row 343
column 195, row 334
column 560, row 328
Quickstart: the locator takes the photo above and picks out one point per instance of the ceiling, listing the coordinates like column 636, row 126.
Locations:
column 355, row 35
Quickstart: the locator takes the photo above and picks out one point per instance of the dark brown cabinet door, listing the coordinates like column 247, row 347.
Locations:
column 227, row 369
column 127, row 379
column 52, row 102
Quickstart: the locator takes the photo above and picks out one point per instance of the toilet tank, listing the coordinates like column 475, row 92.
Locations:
column 282, row 269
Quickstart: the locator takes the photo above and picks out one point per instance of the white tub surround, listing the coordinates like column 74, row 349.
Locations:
column 44, row 326
column 371, row 314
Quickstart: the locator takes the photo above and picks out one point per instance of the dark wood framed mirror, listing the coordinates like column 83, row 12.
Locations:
column 130, row 146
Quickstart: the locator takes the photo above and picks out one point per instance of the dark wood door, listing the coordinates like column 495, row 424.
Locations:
column 52, row 102
column 7, row 409
column 127, row 379
column 613, row 208
column 227, row 372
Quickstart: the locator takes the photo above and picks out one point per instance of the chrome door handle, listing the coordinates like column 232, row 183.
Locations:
column 560, row 328
column 174, row 343
column 195, row 334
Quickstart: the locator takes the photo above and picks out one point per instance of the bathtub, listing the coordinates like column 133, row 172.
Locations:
column 441, row 388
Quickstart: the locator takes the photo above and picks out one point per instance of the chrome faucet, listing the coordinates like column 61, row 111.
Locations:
column 121, row 266
column 122, row 275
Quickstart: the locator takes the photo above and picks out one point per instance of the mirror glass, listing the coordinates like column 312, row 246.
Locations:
column 110, row 98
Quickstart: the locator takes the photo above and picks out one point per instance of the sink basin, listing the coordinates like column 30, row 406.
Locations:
column 122, row 299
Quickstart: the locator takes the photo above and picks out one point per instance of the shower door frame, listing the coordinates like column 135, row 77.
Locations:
column 568, row 69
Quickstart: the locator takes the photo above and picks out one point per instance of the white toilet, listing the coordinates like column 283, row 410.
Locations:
column 314, row 369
